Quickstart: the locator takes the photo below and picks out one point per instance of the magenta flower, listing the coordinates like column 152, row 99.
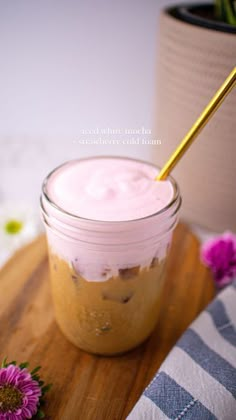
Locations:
column 219, row 254
column 20, row 392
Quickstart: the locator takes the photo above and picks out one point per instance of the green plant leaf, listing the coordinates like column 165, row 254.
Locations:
column 4, row 362
column 24, row 365
column 225, row 11
column 40, row 414
column 35, row 370
column 46, row 388
column 230, row 12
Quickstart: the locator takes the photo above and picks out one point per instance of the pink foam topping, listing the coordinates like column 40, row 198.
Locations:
column 109, row 189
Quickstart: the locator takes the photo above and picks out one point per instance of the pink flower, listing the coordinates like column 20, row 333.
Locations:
column 219, row 254
column 20, row 392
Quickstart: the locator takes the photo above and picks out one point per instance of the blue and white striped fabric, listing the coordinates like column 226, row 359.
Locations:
column 197, row 380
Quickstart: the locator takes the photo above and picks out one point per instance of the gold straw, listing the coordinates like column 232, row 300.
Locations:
column 202, row 120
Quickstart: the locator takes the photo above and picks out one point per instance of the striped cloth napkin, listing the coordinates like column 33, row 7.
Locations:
column 197, row 380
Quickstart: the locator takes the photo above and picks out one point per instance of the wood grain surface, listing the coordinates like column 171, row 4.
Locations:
column 87, row 387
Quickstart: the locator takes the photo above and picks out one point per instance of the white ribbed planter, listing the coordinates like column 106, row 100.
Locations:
column 192, row 64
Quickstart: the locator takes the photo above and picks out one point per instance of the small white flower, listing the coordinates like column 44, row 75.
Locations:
column 19, row 224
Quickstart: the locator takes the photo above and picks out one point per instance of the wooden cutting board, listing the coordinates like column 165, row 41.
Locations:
column 87, row 387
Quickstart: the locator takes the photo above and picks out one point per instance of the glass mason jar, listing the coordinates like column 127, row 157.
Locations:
column 107, row 277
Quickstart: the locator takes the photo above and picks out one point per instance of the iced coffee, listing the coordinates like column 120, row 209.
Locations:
column 109, row 226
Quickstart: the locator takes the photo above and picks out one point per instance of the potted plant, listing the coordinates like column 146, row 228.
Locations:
column 197, row 50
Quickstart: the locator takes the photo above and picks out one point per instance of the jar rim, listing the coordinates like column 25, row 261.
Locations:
column 176, row 191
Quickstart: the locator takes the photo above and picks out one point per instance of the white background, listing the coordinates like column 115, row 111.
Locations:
column 69, row 65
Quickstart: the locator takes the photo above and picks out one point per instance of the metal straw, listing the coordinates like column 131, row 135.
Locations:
column 202, row 120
